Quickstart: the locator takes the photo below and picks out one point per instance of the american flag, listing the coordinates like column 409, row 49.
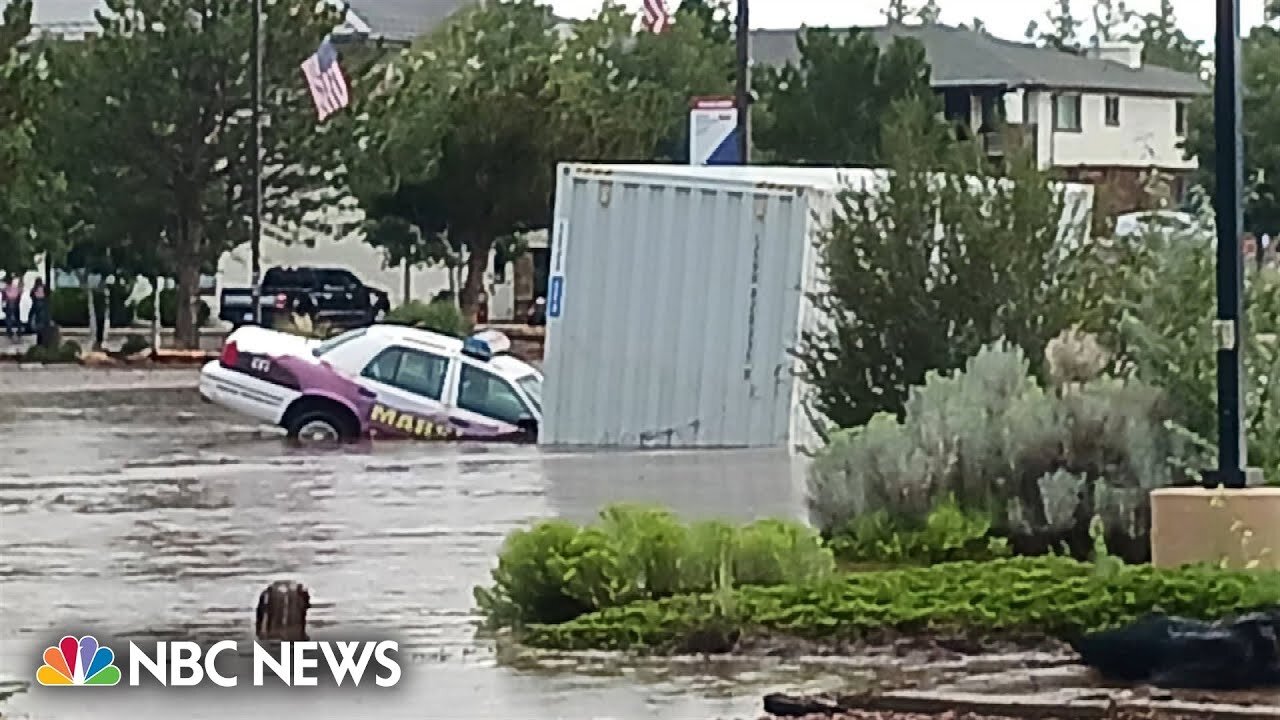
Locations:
column 324, row 76
column 655, row 16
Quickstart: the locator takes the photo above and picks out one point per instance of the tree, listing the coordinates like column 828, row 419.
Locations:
column 471, row 146
column 26, row 180
column 827, row 109
column 178, row 140
column 1261, row 77
column 1164, row 44
column 942, row 256
column 1061, row 30
column 1110, row 18
column 714, row 17
column 900, row 11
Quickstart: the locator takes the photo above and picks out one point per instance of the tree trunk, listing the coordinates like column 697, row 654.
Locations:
column 408, row 273
column 106, row 314
column 481, row 247
column 185, row 333
column 155, row 312
column 93, row 310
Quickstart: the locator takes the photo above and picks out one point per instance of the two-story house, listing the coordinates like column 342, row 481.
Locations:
column 1103, row 117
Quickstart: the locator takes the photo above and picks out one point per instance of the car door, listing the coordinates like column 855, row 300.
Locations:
column 410, row 384
column 487, row 404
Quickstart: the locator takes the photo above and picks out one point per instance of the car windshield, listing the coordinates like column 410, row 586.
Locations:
column 332, row 343
column 531, row 384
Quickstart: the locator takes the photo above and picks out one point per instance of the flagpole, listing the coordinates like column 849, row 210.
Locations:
column 255, row 231
column 742, row 90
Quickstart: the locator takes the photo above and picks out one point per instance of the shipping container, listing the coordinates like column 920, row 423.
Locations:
column 676, row 295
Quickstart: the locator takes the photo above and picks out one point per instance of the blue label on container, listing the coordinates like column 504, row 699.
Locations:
column 555, row 296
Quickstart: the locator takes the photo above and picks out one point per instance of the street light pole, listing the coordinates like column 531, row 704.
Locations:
column 742, row 90
column 255, row 230
column 1232, row 446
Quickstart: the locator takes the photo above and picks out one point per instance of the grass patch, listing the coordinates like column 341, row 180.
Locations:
column 1046, row 596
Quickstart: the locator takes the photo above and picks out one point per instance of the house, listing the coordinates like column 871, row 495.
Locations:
column 1104, row 117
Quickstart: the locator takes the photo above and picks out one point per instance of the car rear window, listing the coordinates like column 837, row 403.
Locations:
column 332, row 343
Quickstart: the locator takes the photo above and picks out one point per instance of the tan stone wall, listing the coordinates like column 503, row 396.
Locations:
column 1195, row 525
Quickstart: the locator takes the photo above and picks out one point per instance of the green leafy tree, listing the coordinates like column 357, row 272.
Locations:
column 827, row 108
column 1110, row 20
column 1261, row 77
column 179, row 139
column 1165, row 44
column 27, row 183
column 900, row 11
column 715, row 18
column 471, row 147
column 944, row 256
column 1163, row 293
column 1060, row 29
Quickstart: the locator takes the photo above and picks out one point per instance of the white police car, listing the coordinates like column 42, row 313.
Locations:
column 383, row 380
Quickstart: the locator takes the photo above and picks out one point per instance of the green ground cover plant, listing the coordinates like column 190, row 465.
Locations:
column 557, row 571
column 1015, row 597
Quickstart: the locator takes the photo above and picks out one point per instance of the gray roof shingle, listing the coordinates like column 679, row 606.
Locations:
column 962, row 57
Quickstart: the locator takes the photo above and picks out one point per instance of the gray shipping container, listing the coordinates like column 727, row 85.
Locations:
column 675, row 296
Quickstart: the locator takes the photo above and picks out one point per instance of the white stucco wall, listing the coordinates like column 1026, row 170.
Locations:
column 1145, row 137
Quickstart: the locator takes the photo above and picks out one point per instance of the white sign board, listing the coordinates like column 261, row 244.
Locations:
column 713, row 137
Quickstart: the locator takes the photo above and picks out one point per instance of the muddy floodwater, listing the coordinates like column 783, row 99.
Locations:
column 138, row 513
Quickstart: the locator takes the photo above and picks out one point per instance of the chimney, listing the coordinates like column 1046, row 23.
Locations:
column 1126, row 53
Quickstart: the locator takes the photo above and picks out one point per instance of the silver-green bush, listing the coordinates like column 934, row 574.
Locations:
column 1040, row 461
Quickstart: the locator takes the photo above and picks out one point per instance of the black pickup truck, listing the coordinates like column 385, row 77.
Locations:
column 328, row 295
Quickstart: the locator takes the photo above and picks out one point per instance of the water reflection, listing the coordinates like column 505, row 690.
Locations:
column 149, row 515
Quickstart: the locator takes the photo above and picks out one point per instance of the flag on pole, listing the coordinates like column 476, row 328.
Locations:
column 655, row 17
column 324, row 76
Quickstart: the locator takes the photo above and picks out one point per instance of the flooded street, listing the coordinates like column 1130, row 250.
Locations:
column 142, row 514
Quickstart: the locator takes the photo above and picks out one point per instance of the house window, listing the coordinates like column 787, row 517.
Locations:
column 1113, row 111
column 1066, row 112
column 1180, row 119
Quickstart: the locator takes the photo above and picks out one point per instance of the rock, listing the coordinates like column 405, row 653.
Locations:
column 282, row 612
column 98, row 359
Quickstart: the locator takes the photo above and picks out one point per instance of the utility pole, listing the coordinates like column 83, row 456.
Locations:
column 1230, row 330
column 255, row 231
column 742, row 90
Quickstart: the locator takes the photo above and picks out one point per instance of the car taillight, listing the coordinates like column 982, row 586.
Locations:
column 281, row 301
column 230, row 354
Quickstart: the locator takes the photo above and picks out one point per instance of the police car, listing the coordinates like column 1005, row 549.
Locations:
column 380, row 381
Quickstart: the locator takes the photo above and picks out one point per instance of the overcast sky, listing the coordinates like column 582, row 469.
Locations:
column 1005, row 18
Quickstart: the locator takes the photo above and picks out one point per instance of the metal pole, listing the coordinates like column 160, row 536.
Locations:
column 742, row 90
column 255, row 231
column 1232, row 450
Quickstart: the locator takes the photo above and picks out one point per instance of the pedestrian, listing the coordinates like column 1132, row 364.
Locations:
column 13, row 307
column 39, row 313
